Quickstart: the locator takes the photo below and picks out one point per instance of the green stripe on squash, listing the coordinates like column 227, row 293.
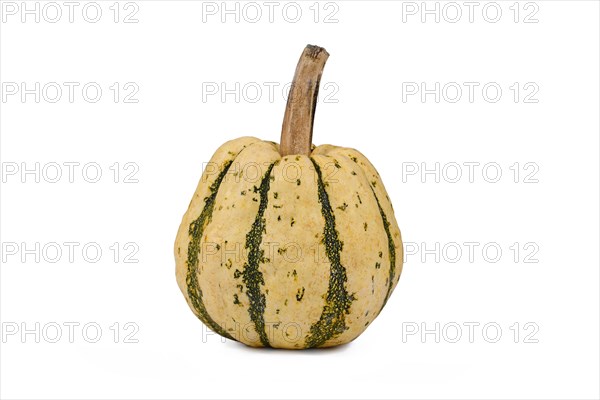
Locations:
column 195, row 231
column 391, row 249
column 251, row 275
column 337, row 300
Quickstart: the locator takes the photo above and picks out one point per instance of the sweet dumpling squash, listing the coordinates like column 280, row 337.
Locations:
column 289, row 246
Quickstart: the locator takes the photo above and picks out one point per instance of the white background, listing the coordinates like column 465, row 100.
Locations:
column 378, row 50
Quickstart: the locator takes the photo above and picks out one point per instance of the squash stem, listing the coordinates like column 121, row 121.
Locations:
column 297, row 129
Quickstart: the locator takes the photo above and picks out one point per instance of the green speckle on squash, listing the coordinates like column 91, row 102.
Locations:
column 300, row 294
column 236, row 300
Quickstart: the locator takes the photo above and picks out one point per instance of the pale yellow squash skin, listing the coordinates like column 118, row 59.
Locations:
column 295, row 266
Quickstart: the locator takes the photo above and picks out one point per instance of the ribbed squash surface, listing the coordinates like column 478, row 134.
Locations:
column 288, row 252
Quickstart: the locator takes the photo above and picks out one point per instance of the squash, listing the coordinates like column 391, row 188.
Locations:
column 289, row 246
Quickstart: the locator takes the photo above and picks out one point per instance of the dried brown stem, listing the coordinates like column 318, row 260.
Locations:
column 297, row 129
